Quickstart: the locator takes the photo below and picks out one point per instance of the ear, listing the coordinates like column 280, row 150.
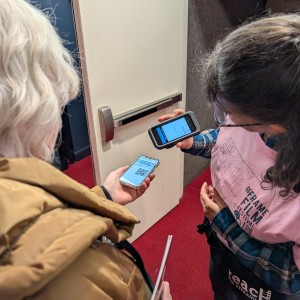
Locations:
column 277, row 129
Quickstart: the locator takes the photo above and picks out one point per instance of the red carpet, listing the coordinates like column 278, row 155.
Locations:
column 82, row 171
column 188, row 261
column 187, row 267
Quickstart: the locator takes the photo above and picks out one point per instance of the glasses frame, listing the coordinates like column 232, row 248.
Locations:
column 240, row 125
column 221, row 124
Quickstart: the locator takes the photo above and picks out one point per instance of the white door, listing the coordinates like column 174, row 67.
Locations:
column 133, row 52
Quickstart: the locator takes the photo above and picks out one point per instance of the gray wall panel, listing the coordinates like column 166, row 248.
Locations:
column 208, row 21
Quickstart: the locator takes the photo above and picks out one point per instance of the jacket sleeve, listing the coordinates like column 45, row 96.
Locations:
column 273, row 263
column 101, row 192
column 203, row 143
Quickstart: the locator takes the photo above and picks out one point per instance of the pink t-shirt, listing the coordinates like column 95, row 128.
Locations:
column 239, row 162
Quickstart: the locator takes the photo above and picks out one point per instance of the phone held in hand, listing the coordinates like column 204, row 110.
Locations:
column 169, row 133
column 138, row 171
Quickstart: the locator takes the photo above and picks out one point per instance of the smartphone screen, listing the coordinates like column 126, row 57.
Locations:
column 138, row 171
column 173, row 130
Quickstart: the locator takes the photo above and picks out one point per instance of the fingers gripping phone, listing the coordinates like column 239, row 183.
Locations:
column 138, row 171
column 169, row 133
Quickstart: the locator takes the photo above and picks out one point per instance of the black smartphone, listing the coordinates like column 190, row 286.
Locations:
column 138, row 171
column 169, row 133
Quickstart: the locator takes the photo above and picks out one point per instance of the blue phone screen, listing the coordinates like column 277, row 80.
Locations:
column 173, row 130
column 137, row 172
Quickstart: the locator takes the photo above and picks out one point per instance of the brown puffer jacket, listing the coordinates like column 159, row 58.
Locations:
column 49, row 225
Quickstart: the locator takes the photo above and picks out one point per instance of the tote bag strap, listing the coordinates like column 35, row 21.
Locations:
column 125, row 245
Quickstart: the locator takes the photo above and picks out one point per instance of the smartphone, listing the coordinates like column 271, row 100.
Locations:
column 138, row 171
column 169, row 133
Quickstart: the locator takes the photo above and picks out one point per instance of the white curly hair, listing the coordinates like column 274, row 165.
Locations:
column 37, row 80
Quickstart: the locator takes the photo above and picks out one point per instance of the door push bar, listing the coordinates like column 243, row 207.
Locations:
column 108, row 122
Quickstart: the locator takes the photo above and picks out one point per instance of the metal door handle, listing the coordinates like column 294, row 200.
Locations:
column 108, row 122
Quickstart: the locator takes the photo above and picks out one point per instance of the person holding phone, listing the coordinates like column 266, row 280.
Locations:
column 252, row 79
column 58, row 239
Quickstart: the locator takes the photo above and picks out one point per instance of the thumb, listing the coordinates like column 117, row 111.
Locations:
column 166, row 294
column 121, row 170
column 218, row 199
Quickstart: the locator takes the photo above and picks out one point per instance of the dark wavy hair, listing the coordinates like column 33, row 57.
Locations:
column 257, row 69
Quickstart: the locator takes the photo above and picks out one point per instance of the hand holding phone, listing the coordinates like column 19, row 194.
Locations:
column 136, row 174
column 174, row 130
column 123, row 194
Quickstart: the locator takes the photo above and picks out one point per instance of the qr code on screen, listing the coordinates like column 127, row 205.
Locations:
column 141, row 172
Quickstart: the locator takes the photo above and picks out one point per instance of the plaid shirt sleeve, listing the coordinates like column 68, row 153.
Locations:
column 273, row 263
column 203, row 143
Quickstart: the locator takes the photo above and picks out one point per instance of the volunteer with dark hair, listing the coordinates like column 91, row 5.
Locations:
column 252, row 78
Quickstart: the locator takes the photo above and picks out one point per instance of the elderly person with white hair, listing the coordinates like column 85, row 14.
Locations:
column 53, row 230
